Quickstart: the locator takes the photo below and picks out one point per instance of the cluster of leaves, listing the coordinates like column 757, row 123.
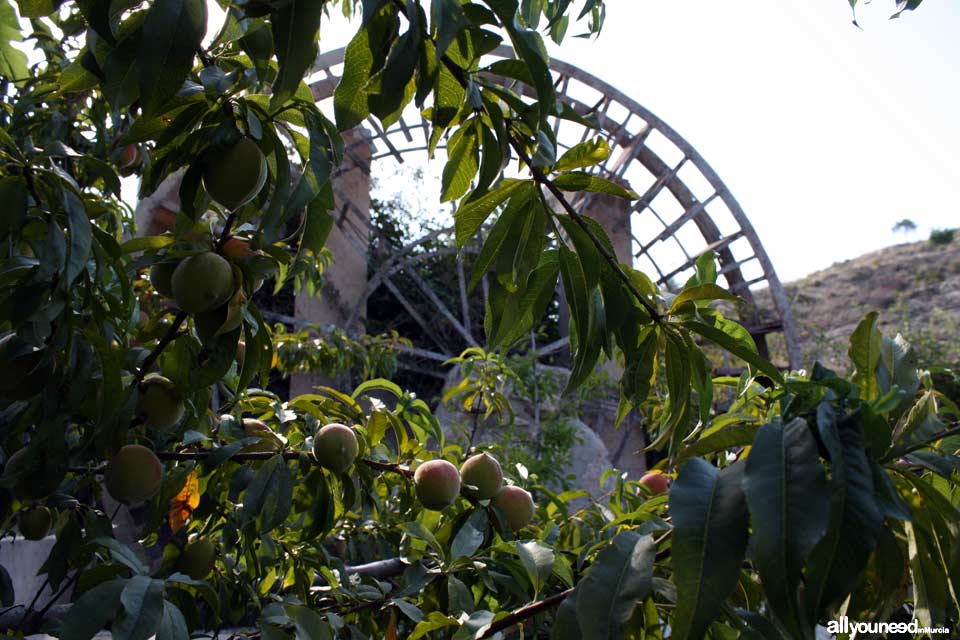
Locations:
column 304, row 552
column 900, row 7
column 547, row 456
column 940, row 237
column 484, row 385
column 541, row 439
column 932, row 337
column 841, row 487
column 333, row 352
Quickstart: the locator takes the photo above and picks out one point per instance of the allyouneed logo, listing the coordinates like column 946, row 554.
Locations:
column 845, row 625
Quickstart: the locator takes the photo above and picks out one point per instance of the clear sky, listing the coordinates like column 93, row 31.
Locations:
column 826, row 134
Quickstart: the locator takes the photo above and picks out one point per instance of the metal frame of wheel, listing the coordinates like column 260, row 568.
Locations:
column 684, row 209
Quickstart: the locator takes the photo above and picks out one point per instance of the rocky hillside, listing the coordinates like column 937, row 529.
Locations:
column 915, row 287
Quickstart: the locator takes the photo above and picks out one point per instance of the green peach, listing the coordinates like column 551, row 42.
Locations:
column 34, row 523
column 202, row 282
column 335, row 447
column 237, row 175
column 517, row 505
column 161, row 277
column 437, row 483
column 483, row 472
column 133, row 475
column 198, row 558
column 34, row 482
column 159, row 403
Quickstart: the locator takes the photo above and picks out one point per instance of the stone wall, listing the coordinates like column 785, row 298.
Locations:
column 22, row 559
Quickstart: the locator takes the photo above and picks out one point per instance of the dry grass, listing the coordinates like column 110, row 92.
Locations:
column 914, row 286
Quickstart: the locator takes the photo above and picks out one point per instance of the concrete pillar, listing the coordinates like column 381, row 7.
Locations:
column 613, row 214
column 346, row 280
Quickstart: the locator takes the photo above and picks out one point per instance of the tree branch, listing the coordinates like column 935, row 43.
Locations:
column 225, row 234
column 69, row 583
column 532, row 609
column 29, row 622
column 31, row 185
column 389, row 467
column 953, row 430
column 169, row 337
column 541, row 178
column 11, row 620
column 524, row 612
column 205, row 59
column 380, row 569
column 663, row 554
column 181, row 456
column 33, row 603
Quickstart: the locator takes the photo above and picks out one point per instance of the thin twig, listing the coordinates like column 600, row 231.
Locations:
column 225, row 234
column 181, row 456
column 204, row 58
column 33, row 603
column 389, row 568
column 343, row 610
column 31, row 185
column 473, row 432
column 169, row 337
column 532, row 609
column 390, row 467
column 664, row 553
column 953, row 430
column 70, row 582
column 524, row 612
column 203, row 455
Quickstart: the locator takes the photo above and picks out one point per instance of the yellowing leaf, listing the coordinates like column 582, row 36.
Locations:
column 184, row 503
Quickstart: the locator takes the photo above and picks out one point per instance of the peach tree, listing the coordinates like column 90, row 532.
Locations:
column 135, row 363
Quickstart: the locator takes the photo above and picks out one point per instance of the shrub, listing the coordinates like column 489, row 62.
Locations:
column 942, row 236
